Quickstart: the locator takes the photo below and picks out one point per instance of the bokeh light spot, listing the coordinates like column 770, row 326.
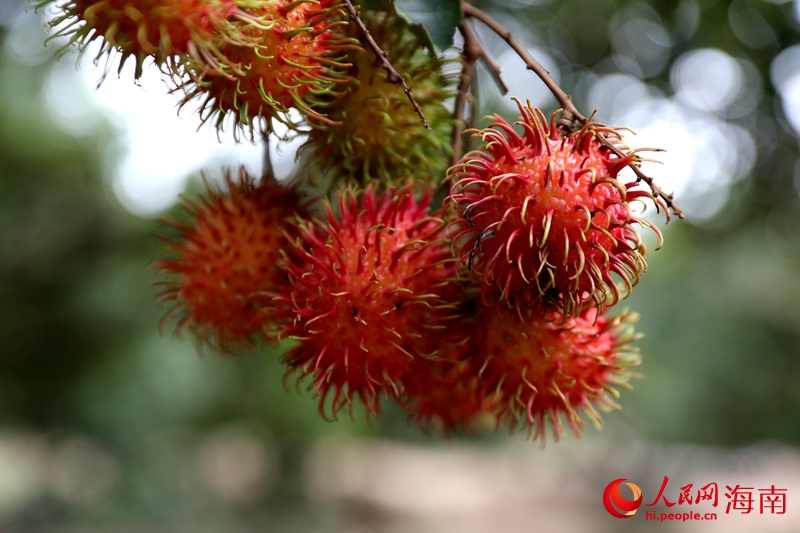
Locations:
column 706, row 79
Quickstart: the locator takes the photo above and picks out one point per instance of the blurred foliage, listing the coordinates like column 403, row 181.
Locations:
column 82, row 360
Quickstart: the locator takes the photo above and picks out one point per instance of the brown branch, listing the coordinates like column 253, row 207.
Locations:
column 472, row 51
column 392, row 75
column 478, row 51
column 469, row 56
column 459, row 111
column 473, row 109
column 570, row 113
column 530, row 62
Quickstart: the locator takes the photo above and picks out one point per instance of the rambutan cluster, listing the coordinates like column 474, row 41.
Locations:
column 487, row 307
column 369, row 295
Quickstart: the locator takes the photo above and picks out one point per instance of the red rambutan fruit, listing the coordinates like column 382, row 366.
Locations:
column 377, row 135
column 445, row 393
column 540, row 368
column 368, row 293
column 544, row 217
column 159, row 29
column 283, row 61
column 225, row 263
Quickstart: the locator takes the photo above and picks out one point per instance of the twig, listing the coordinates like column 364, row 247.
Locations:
column 570, row 113
column 469, row 56
column 473, row 110
column 268, row 172
column 472, row 40
column 459, row 111
column 472, row 51
column 392, row 75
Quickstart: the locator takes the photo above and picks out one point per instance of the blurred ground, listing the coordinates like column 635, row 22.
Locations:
column 376, row 485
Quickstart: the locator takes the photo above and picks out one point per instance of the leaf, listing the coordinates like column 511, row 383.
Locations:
column 433, row 21
column 439, row 17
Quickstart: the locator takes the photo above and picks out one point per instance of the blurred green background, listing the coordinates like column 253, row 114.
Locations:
column 108, row 425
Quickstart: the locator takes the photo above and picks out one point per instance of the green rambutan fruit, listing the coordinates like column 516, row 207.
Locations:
column 377, row 135
column 369, row 293
column 542, row 217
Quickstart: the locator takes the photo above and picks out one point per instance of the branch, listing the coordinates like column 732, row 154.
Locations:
column 478, row 51
column 469, row 56
column 392, row 76
column 473, row 109
column 268, row 172
column 472, row 51
column 570, row 113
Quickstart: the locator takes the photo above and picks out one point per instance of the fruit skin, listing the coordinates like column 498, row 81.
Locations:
column 160, row 29
column 283, row 62
column 378, row 137
column 445, row 395
column 225, row 263
column 537, row 369
column 542, row 219
column 369, row 293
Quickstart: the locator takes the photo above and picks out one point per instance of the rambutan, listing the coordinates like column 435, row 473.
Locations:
column 225, row 263
column 368, row 295
column 445, row 394
column 539, row 369
column 377, row 135
column 159, row 29
column 543, row 217
column 286, row 59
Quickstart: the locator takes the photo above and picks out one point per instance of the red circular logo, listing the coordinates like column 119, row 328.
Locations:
column 617, row 504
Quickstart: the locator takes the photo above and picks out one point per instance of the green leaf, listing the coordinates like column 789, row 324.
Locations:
column 433, row 21
column 439, row 17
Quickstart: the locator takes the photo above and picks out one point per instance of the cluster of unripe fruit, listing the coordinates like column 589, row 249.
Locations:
column 488, row 305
